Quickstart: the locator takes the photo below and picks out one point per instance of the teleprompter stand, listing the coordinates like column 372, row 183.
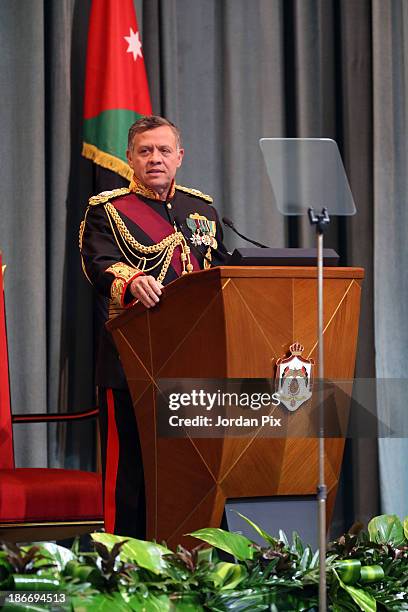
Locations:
column 320, row 221
column 304, row 172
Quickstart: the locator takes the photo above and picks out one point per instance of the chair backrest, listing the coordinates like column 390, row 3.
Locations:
column 6, row 427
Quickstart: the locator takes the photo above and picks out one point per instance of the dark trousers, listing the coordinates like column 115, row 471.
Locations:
column 122, row 468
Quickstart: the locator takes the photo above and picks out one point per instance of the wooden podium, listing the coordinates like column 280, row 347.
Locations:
column 232, row 322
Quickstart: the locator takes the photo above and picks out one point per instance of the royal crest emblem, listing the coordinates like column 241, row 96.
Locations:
column 202, row 230
column 294, row 378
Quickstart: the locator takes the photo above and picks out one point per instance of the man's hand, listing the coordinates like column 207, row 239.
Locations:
column 147, row 290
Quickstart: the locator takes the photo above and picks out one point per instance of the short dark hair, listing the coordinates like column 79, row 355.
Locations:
column 150, row 122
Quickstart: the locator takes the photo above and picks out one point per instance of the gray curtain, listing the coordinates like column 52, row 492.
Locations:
column 23, row 212
column 228, row 72
column 390, row 53
column 40, row 145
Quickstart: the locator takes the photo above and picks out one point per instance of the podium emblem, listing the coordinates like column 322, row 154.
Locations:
column 294, row 378
column 202, row 230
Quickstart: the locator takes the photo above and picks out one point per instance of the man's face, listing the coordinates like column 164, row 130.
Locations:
column 154, row 158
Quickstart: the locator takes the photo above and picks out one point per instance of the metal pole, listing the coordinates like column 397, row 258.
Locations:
column 321, row 488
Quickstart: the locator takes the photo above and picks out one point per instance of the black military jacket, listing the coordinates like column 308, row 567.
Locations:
column 126, row 233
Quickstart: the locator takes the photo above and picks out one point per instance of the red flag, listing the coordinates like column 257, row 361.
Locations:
column 116, row 89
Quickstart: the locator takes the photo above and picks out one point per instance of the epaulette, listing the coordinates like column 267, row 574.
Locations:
column 195, row 192
column 105, row 196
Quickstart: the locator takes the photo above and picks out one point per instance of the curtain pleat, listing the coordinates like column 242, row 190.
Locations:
column 390, row 70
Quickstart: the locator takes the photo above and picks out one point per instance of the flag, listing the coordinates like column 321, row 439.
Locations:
column 116, row 89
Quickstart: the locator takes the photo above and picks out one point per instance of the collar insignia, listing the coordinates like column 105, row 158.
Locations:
column 140, row 189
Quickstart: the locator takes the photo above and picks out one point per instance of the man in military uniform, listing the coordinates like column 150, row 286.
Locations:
column 133, row 241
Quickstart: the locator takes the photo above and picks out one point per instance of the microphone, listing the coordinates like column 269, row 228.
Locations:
column 197, row 251
column 230, row 224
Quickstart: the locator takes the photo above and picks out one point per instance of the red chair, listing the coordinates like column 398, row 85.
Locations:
column 41, row 503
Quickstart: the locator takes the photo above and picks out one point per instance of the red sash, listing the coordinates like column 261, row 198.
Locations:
column 153, row 225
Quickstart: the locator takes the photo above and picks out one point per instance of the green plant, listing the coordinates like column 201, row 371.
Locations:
column 366, row 570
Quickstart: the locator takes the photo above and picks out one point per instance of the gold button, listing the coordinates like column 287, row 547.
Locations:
column 168, row 205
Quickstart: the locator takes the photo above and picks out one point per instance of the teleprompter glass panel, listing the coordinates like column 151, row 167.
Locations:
column 307, row 173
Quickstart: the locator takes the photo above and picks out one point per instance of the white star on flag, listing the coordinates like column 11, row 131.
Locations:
column 135, row 46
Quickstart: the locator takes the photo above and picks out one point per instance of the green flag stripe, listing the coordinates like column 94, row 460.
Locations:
column 108, row 131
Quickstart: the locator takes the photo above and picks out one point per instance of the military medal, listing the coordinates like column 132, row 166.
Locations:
column 202, row 230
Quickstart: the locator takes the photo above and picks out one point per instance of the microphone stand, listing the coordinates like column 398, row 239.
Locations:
column 230, row 224
column 320, row 221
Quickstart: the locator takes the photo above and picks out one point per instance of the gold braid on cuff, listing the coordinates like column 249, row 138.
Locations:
column 123, row 274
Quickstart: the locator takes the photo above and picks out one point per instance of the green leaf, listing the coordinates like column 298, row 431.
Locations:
column 148, row 555
column 283, row 538
column 249, row 600
column 32, row 582
column 371, row 573
column 364, row 600
column 227, row 575
column 268, row 538
column 59, row 554
column 5, row 567
column 237, row 545
column 185, row 602
column 386, row 529
column 343, row 605
column 84, row 573
column 101, row 603
column 297, row 544
column 304, row 561
column 315, row 560
column 149, row 603
column 17, row 607
column 405, row 524
column 205, row 555
column 349, row 570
